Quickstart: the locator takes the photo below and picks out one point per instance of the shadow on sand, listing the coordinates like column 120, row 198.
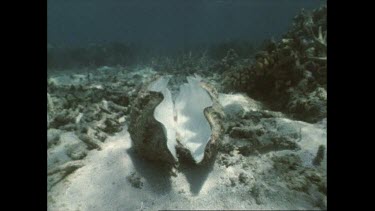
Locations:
column 159, row 175
column 156, row 174
column 195, row 174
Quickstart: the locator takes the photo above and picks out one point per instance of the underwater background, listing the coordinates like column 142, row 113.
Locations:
column 263, row 64
column 168, row 26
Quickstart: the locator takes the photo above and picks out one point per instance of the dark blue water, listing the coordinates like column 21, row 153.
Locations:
column 169, row 24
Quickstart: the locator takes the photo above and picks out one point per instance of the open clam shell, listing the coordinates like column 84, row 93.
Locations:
column 191, row 123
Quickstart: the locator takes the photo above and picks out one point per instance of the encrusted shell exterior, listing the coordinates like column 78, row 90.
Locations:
column 146, row 132
column 215, row 116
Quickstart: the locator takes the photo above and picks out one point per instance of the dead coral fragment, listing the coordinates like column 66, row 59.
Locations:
column 58, row 173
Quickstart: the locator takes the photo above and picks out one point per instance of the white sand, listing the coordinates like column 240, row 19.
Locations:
column 102, row 183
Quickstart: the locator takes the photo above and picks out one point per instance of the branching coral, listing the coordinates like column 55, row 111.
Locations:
column 300, row 56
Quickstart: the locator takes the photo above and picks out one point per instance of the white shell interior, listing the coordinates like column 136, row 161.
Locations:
column 189, row 123
column 164, row 112
column 193, row 127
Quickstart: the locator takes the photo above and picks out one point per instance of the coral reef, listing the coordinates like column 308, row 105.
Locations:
column 294, row 66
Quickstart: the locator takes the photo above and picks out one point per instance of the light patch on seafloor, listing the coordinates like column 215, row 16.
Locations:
column 311, row 137
column 96, row 86
column 74, row 79
column 78, row 118
column 105, row 104
column 143, row 73
column 241, row 100
column 95, row 186
column 230, row 171
column 122, row 119
column 105, row 68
